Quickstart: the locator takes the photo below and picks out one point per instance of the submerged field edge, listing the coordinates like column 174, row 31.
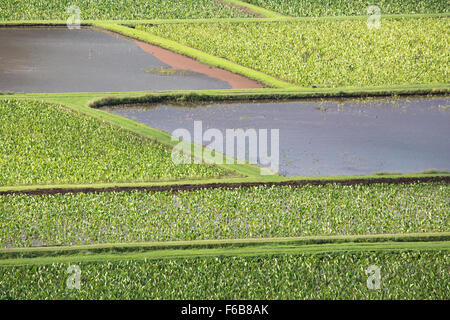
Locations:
column 195, row 53
column 216, row 183
column 105, row 99
column 260, row 250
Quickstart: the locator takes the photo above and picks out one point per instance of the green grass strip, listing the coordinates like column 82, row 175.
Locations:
column 264, row 12
column 102, row 99
column 196, row 54
column 117, row 248
column 264, row 250
column 268, row 20
column 279, row 18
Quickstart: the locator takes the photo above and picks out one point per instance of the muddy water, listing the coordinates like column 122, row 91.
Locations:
column 350, row 137
column 62, row 60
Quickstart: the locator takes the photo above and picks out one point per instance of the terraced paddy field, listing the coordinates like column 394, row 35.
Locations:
column 327, row 138
column 63, row 60
column 93, row 204
column 327, row 53
column 242, row 213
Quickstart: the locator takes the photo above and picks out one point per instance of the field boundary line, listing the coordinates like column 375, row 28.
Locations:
column 280, row 95
column 221, row 243
column 262, row 250
column 216, row 183
column 105, row 99
column 280, row 18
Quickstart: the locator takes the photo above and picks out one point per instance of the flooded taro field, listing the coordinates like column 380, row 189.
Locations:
column 52, row 60
column 328, row 137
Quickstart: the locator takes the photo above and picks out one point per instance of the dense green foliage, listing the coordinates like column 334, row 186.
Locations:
column 404, row 275
column 328, row 53
column 114, row 10
column 256, row 212
column 42, row 143
column 318, row 8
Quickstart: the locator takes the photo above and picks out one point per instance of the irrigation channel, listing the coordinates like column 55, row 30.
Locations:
column 52, row 60
column 333, row 137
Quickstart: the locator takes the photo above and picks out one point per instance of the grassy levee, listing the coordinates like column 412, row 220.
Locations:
column 87, row 23
column 262, row 11
column 229, row 95
column 268, row 250
column 196, row 54
column 105, row 99
column 228, row 246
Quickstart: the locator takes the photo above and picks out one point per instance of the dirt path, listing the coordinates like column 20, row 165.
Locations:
column 179, row 61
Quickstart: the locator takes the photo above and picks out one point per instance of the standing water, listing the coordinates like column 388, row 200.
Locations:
column 324, row 138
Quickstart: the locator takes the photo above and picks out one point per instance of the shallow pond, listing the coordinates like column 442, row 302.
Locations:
column 318, row 138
